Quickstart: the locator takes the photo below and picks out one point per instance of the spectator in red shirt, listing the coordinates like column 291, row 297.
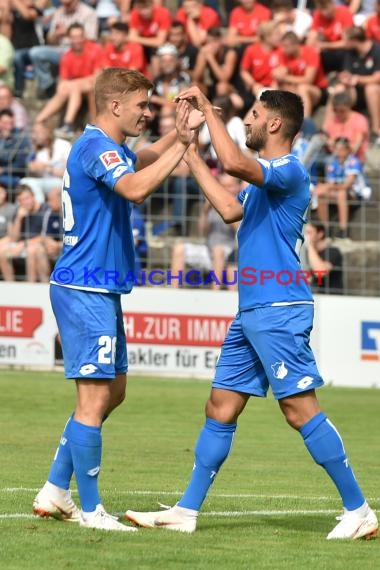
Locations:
column 260, row 58
column 198, row 19
column 327, row 33
column 149, row 25
column 119, row 52
column 372, row 24
column 300, row 71
column 244, row 21
column 76, row 78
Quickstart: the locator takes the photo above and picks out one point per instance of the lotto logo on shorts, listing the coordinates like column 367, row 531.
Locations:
column 110, row 158
column 370, row 346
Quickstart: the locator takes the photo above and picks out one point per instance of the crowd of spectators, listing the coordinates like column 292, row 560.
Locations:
column 327, row 51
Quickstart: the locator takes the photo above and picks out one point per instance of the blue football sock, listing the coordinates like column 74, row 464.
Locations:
column 326, row 448
column 62, row 468
column 86, row 451
column 213, row 447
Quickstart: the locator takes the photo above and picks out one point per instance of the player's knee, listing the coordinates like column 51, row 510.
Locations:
column 221, row 411
column 293, row 419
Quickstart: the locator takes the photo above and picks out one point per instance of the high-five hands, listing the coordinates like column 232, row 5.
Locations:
column 195, row 97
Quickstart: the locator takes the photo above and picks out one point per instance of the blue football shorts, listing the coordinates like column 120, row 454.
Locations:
column 269, row 346
column 92, row 333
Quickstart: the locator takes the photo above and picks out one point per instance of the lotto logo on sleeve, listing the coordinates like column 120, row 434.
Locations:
column 370, row 348
column 110, row 159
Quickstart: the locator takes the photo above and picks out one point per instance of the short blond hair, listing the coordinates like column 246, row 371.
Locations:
column 115, row 82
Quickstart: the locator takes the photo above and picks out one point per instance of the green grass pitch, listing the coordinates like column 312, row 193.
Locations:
column 270, row 507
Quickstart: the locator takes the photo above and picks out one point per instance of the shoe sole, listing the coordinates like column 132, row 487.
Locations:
column 166, row 526
column 60, row 516
column 372, row 534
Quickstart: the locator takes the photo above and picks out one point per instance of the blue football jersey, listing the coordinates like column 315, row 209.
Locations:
column 98, row 251
column 271, row 234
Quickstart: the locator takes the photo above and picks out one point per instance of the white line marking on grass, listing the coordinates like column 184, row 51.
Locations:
column 267, row 513
column 213, row 495
column 18, row 490
column 16, row 516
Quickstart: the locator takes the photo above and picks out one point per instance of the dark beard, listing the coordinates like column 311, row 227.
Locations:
column 258, row 141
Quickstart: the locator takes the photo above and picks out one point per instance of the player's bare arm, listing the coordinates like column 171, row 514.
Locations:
column 136, row 187
column 139, row 185
column 223, row 201
column 234, row 161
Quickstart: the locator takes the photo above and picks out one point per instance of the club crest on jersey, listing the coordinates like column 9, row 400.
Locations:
column 110, row 158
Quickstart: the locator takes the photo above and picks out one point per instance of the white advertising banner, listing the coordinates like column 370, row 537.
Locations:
column 176, row 331
column 179, row 332
column 348, row 339
column 27, row 325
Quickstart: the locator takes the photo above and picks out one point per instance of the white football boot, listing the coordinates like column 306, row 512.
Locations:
column 53, row 502
column 354, row 525
column 174, row 518
column 101, row 520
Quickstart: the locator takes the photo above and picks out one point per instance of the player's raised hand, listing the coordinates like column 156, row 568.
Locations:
column 185, row 134
column 195, row 97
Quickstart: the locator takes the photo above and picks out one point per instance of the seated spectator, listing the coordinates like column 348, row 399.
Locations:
column 47, row 162
column 291, row 19
column 8, row 101
column 180, row 188
column 6, row 61
column 361, row 75
column 345, row 181
column 77, row 71
column 45, row 251
column 24, row 233
column 14, row 150
column 120, row 52
column 342, row 121
column 46, row 58
column 187, row 53
column 327, row 33
column 220, row 242
column 300, row 71
column 7, row 210
column 170, row 80
column 244, row 21
column 197, row 19
column 323, row 258
column 149, row 25
column 26, row 33
column 216, row 65
column 260, row 58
